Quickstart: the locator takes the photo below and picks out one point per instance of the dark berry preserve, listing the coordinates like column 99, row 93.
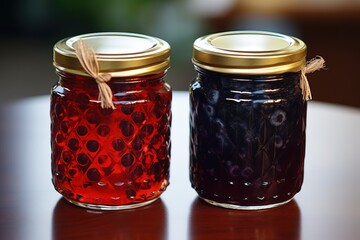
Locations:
column 112, row 158
column 247, row 119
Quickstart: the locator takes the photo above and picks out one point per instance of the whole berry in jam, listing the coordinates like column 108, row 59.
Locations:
column 127, row 160
column 92, row 145
column 138, row 117
column 103, row 130
column 118, row 144
column 83, row 159
column 127, row 128
column 73, row 144
column 82, row 130
column 93, row 174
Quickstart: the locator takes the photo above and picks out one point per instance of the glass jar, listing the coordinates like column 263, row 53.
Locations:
column 104, row 158
column 247, row 119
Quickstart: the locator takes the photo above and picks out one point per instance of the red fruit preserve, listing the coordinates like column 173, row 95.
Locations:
column 247, row 119
column 114, row 156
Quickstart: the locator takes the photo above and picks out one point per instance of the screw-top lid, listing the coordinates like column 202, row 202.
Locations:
column 249, row 52
column 121, row 54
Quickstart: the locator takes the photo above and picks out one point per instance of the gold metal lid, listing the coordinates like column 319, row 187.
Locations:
column 249, row 52
column 121, row 54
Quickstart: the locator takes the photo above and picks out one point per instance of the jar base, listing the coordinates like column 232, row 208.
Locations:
column 111, row 207
column 242, row 207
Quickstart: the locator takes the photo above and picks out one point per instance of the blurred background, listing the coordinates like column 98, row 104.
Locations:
column 30, row 28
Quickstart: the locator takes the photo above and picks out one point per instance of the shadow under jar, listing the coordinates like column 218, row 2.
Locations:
column 104, row 158
column 247, row 119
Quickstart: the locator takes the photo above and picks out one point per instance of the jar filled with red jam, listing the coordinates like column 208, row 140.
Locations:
column 112, row 157
column 247, row 119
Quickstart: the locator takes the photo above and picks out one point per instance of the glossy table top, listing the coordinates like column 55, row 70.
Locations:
column 326, row 208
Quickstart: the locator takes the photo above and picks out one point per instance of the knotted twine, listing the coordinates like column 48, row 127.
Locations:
column 313, row 65
column 88, row 61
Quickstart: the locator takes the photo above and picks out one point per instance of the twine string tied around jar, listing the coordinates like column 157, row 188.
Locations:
column 88, row 61
column 313, row 65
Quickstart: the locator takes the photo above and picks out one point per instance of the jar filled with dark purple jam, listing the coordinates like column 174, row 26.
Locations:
column 111, row 157
column 247, row 119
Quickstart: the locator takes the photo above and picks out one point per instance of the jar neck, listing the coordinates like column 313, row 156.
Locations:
column 251, row 85
column 116, row 83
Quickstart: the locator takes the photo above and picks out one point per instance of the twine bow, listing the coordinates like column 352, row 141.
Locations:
column 311, row 66
column 87, row 58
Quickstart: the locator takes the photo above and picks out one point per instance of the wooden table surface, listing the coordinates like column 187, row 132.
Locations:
column 328, row 206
